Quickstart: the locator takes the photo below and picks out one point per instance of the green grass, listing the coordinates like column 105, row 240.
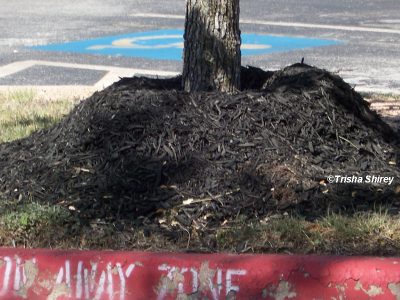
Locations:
column 21, row 113
column 41, row 225
column 26, row 223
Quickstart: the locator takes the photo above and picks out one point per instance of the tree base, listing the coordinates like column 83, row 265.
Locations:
column 212, row 56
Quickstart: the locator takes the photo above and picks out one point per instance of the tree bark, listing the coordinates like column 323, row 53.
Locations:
column 212, row 57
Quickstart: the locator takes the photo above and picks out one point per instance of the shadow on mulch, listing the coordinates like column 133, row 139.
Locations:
column 393, row 121
column 143, row 149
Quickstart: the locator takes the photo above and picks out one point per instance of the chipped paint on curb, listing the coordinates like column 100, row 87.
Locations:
column 395, row 289
column 283, row 291
column 372, row 290
column 98, row 275
column 30, row 272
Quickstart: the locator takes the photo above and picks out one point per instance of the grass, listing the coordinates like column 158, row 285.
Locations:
column 21, row 114
column 23, row 224
column 380, row 97
column 35, row 225
column 26, row 223
column 41, row 225
column 364, row 233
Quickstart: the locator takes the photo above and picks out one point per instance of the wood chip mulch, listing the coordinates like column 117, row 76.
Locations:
column 144, row 149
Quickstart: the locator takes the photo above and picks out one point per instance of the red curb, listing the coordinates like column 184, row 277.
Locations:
column 46, row 274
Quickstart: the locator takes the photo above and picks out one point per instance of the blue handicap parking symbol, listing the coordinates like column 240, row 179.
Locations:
column 168, row 44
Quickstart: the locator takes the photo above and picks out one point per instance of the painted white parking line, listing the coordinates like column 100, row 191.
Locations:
column 283, row 24
column 15, row 67
column 117, row 70
column 113, row 73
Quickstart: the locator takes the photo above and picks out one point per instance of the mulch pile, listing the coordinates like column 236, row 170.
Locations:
column 144, row 149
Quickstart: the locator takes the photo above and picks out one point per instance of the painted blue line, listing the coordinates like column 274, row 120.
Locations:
column 167, row 44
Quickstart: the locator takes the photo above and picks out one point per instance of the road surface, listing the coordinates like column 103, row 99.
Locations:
column 366, row 53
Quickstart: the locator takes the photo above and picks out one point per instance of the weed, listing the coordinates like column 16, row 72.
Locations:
column 24, row 223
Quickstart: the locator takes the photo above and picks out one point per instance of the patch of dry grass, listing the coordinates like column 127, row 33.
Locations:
column 36, row 225
column 364, row 233
column 21, row 113
column 380, row 97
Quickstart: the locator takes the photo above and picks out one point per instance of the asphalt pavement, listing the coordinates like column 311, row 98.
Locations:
column 365, row 34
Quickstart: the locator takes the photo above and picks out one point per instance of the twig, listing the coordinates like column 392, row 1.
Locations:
column 192, row 201
column 344, row 139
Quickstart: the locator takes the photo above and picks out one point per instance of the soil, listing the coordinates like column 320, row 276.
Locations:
column 143, row 149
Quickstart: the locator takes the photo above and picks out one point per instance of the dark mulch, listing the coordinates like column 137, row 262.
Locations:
column 142, row 149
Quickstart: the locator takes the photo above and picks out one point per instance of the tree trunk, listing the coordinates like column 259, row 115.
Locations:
column 212, row 57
